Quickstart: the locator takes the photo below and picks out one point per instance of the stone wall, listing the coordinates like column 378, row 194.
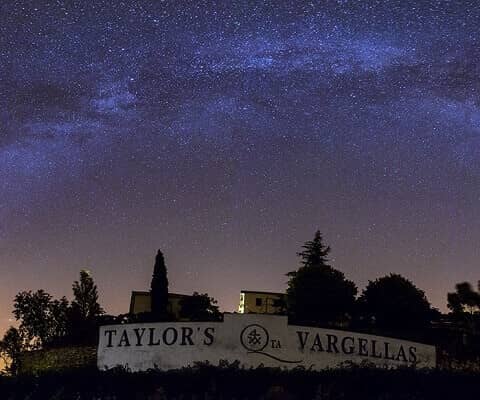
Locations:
column 57, row 359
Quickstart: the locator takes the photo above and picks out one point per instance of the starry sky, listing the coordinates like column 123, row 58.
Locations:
column 225, row 133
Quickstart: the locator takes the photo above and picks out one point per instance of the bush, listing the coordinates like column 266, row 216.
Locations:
column 230, row 382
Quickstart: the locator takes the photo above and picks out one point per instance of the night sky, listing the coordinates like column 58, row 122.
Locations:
column 226, row 133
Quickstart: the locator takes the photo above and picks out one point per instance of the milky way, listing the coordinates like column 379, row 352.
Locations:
column 226, row 133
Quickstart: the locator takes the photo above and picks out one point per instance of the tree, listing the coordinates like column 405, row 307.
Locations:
column 85, row 302
column 159, row 288
column 464, row 299
column 394, row 304
column 85, row 313
column 199, row 307
column 42, row 319
column 60, row 310
column 315, row 252
column 465, row 306
column 45, row 321
column 318, row 293
column 11, row 347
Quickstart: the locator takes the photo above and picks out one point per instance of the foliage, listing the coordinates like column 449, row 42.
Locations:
column 394, row 304
column 465, row 306
column 228, row 381
column 47, row 322
column 85, row 312
column 11, row 347
column 58, row 359
column 85, row 302
column 315, row 252
column 42, row 318
column 464, row 299
column 318, row 293
column 199, row 307
column 138, row 318
column 159, row 288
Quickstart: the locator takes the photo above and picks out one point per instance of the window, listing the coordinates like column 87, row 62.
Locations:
column 258, row 302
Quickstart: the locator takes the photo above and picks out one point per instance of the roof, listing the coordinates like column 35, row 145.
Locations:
column 179, row 295
column 147, row 293
column 140, row 293
column 261, row 292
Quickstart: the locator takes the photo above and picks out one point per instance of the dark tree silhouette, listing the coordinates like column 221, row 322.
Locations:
column 393, row 304
column 199, row 307
column 465, row 306
column 11, row 347
column 43, row 319
column 159, row 289
column 48, row 322
column 85, row 313
column 318, row 293
column 85, row 301
column 464, row 299
column 315, row 252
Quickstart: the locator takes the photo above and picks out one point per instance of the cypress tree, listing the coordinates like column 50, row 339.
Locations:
column 159, row 288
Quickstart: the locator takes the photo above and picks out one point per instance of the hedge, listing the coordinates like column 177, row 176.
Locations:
column 57, row 359
column 205, row 382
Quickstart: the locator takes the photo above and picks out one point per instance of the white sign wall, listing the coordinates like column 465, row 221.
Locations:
column 254, row 340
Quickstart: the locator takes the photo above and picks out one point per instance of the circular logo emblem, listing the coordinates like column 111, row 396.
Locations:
column 254, row 337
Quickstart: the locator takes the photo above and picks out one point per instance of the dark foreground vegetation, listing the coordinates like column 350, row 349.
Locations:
column 230, row 382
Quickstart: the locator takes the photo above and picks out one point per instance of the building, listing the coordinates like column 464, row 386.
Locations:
column 261, row 302
column 141, row 302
